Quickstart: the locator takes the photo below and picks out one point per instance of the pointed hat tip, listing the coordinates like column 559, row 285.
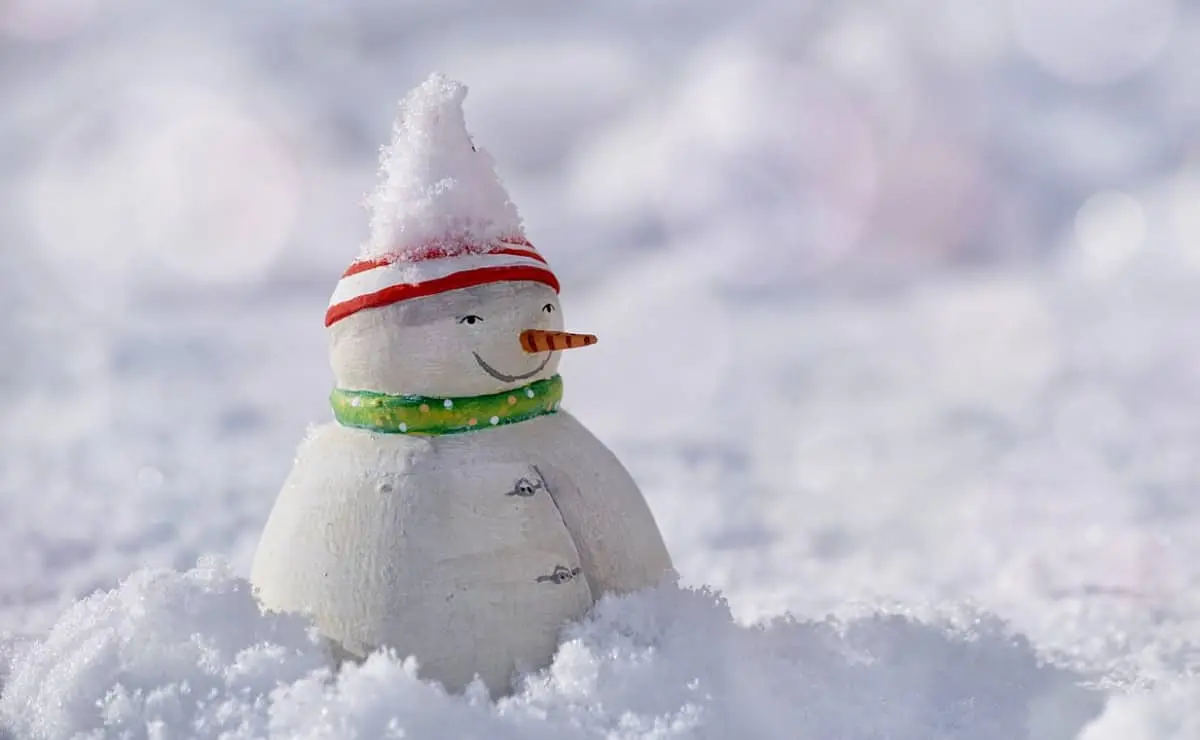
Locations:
column 437, row 90
column 435, row 103
column 436, row 185
column 443, row 79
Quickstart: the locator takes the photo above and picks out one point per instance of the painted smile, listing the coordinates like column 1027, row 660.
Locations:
column 511, row 378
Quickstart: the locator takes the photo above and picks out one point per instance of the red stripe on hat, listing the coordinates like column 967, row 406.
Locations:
column 531, row 253
column 440, row 253
column 364, row 265
column 456, row 281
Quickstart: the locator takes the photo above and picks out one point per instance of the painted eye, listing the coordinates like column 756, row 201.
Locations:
column 548, row 308
column 471, row 320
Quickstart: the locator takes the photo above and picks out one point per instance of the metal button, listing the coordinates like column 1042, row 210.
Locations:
column 529, row 486
column 561, row 575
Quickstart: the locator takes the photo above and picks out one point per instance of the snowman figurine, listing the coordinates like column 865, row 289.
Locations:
column 453, row 511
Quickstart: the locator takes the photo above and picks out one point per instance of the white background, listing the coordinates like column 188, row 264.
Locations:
column 897, row 304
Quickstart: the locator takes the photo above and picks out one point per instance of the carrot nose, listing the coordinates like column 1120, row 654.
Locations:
column 536, row 340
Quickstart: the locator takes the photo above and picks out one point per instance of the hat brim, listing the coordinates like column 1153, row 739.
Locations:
column 455, row 281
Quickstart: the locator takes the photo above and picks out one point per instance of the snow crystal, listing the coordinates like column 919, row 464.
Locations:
column 438, row 188
column 188, row 654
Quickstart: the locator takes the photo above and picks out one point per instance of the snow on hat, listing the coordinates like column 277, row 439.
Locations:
column 441, row 219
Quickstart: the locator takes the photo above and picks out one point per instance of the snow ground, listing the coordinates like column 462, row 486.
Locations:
column 899, row 302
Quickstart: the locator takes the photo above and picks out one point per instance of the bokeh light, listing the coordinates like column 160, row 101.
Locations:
column 44, row 20
column 1184, row 215
column 183, row 185
column 1092, row 41
column 1110, row 230
column 789, row 165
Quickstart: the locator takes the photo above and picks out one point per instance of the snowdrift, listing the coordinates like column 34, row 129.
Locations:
column 170, row 654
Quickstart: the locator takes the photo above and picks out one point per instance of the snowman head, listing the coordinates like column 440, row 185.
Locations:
column 448, row 297
column 467, row 342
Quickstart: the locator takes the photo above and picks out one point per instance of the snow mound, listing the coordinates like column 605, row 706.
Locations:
column 1167, row 712
column 188, row 655
column 438, row 188
column 165, row 649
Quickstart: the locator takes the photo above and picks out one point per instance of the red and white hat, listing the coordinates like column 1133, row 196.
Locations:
column 382, row 281
column 441, row 219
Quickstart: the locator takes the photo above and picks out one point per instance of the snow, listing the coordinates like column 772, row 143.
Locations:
column 189, row 653
column 438, row 188
column 929, row 268
column 168, row 649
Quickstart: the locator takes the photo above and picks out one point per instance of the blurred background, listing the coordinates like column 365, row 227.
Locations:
column 896, row 298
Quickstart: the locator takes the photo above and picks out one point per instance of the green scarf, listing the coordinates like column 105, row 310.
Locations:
column 380, row 412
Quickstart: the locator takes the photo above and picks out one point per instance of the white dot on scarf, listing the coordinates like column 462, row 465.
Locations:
column 529, row 393
column 403, row 427
column 449, row 404
column 495, row 420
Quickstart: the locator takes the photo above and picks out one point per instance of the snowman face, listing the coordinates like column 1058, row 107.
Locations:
column 460, row 343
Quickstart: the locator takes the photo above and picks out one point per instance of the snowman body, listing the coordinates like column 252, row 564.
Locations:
column 468, row 551
column 453, row 512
